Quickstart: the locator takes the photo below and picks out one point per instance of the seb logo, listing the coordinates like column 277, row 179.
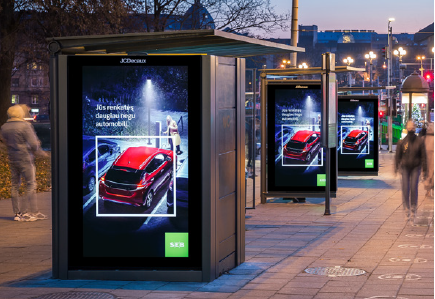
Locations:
column 321, row 180
column 369, row 163
column 176, row 245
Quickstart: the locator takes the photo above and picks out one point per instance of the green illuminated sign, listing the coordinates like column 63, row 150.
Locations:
column 321, row 180
column 369, row 163
column 176, row 245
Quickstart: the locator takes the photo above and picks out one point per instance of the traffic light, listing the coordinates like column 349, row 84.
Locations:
column 394, row 106
column 428, row 76
column 384, row 52
column 381, row 114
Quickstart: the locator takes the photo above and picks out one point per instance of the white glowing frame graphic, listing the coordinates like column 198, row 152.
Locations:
column 341, row 141
column 297, row 165
column 152, row 214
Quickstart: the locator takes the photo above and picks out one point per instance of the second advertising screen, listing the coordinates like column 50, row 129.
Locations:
column 295, row 155
column 358, row 134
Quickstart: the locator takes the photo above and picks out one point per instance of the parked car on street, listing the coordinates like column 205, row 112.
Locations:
column 136, row 175
column 302, row 146
column 41, row 118
column 356, row 140
column 107, row 152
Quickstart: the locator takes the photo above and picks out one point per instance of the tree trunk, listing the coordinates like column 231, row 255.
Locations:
column 6, row 64
column 8, row 33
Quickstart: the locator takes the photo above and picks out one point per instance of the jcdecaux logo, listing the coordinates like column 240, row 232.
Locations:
column 176, row 245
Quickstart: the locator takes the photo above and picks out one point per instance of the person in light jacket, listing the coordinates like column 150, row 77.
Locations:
column 172, row 131
column 22, row 143
column 410, row 160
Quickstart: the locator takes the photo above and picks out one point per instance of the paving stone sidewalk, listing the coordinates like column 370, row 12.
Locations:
column 365, row 249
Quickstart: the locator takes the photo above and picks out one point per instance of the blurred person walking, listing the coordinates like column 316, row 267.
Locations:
column 429, row 144
column 22, row 143
column 410, row 159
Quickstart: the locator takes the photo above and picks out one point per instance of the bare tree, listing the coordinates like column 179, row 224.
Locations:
column 252, row 16
column 11, row 23
column 241, row 16
column 25, row 25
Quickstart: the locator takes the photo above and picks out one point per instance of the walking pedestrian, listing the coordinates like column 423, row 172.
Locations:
column 429, row 145
column 22, row 143
column 410, row 160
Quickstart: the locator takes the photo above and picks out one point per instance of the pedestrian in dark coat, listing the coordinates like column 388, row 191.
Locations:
column 22, row 143
column 410, row 160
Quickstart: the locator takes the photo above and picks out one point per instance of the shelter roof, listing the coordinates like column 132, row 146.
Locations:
column 209, row 41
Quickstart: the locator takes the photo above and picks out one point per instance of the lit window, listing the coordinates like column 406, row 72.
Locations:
column 15, row 99
column 35, row 99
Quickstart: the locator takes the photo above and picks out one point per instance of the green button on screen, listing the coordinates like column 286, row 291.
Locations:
column 369, row 163
column 176, row 245
column 321, row 180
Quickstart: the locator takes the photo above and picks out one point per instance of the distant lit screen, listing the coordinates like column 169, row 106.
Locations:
column 137, row 120
column 296, row 161
column 357, row 135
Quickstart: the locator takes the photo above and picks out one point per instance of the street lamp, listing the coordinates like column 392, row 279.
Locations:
column 148, row 93
column 303, row 65
column 285, row 63
column 370, row 56
column 421, row 58
column 349, row 61
column 400, row 52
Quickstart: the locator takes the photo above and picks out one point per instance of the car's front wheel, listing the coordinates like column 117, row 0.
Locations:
column 308, row 157
column 148, row 199
column 90, row 185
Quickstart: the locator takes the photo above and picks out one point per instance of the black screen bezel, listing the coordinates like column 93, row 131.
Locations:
column 76, row 260
column 271, row 88
column 363, row 98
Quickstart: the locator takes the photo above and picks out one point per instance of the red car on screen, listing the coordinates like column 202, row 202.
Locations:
column 302, row 146
column 136, row 175
column 356, row 140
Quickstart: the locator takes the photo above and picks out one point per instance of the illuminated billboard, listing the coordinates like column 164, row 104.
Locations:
column 135, row 122
column 357, row 135
column 296, row 161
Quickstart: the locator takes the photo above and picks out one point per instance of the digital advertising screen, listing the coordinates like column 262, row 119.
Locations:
column 296, row 161
column 134, row 123
column 357, row 134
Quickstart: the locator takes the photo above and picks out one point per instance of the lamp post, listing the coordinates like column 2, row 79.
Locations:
column 421, row 58
column 390, row 77
column 303, row 65
column 148, row 95
column 349, row 61
column 370, row 56
column 400, row 53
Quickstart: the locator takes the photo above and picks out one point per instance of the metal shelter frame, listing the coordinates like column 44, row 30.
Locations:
column 264, row 82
